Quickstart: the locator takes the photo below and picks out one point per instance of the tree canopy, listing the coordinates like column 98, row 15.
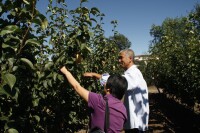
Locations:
column 121, row 41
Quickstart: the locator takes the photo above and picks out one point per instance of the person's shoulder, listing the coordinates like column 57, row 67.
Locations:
column 135, row 69
column 131, row 70
column 94, row 99
column 93, row 95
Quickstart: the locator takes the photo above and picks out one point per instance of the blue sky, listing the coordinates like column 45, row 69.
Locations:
column 135, row 17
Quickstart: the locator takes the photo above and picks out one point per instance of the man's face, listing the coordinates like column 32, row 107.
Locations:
column 124, row 60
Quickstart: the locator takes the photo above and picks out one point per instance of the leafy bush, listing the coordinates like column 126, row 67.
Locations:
column 34, row 96
column 175, row 57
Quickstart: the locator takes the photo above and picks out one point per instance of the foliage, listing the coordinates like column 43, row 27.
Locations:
column 141, row 64
column 174, row 62
column 34, row 96
column 121, row 41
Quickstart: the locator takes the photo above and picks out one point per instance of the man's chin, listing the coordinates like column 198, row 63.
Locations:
column 122, row 65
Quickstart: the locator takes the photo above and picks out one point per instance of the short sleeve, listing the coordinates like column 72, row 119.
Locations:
column 93, row 100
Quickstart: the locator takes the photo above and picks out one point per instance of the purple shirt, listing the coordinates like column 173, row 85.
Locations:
column 117, row 110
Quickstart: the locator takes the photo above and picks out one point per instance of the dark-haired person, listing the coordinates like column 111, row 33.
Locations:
column 114, row 89
column 136, row 97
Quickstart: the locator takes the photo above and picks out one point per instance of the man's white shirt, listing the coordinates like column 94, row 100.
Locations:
column 136, row 100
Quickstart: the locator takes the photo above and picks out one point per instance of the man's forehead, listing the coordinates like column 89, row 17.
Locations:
column 122, row 54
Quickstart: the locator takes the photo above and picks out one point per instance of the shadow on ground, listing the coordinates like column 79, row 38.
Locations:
column 167, row 116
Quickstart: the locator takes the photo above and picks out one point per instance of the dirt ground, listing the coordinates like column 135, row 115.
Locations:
column 167, row 116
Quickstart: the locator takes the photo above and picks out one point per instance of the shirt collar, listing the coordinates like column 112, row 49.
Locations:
column 130, row 68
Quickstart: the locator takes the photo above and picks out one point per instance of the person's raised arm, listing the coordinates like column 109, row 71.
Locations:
column 75, row 84
column 92, row 74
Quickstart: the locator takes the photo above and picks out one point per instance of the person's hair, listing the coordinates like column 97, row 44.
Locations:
column 129, row 53
column 117, row 85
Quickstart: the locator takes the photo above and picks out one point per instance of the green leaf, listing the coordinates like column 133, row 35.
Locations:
column 33, row 41
column 85, row 11
column 92, row 19
column 48, row 65
column 9, row 29
column 50, row 83
column 43, row 20
column 36, row 21
column 60, row 77
column 84, row 1
column 45, row 84
column 59, row 1
column 35, row 102
column 25, row 1
column 88, row 49
column 42, row 95
column 11, row 61
column 5, row 45
column 37, row 118
column 28, row 62
column 12, row 130
column 10, row 79
column 54, row 76
column 94, row 11
column 44, row 24
column 4, row 118
column 14, row 68
column 84, row 47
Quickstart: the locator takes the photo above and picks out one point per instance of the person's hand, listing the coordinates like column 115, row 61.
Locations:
column 88, row 74
column 63, row 69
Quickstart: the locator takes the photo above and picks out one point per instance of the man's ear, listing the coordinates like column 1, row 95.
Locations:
column 131, row 59
column 108, row 89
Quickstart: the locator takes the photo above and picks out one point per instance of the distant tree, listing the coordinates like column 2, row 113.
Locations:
column 175, row 55
column 121, row 41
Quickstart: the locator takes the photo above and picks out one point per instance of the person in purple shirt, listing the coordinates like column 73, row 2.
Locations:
column 114, row 88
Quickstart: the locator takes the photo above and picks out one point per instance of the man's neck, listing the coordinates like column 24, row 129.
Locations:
column 131, row 64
